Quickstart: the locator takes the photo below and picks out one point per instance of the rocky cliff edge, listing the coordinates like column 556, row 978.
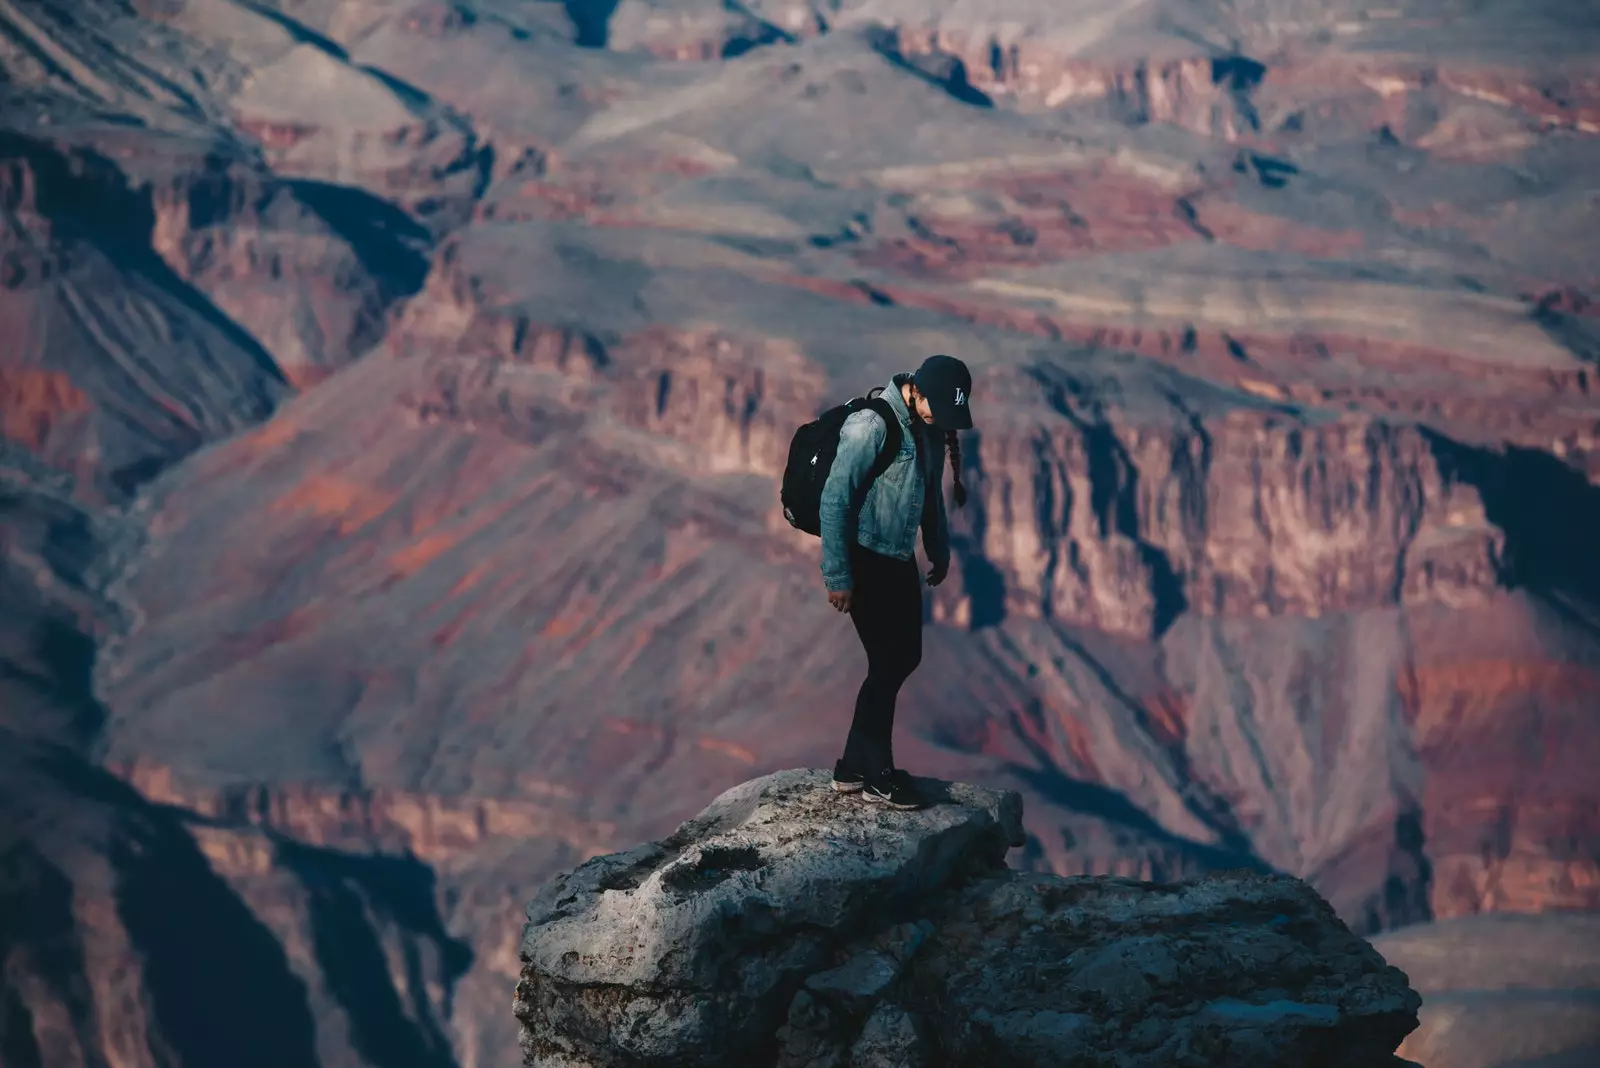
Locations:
column 787, row 925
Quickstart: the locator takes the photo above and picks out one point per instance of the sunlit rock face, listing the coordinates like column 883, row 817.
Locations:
column 392, row 398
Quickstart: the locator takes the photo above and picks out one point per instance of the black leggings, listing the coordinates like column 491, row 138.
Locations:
column 886, row 608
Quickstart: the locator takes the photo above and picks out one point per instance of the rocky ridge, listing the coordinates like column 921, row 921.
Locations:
column 788, row 925
column 443, row 352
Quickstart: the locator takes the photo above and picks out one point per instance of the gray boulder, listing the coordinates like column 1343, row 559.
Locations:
column 788, row 926
column 1231, row 969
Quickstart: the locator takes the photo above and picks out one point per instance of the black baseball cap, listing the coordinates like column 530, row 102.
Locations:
column 947, row 384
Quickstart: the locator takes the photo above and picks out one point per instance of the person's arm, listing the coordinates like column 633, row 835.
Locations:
column 859, row 441
column 936, row 525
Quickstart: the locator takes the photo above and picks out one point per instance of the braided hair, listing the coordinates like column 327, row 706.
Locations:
column 952, row 442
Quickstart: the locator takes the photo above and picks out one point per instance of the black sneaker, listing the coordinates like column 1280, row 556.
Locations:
column 894, row 789
column 846, row 781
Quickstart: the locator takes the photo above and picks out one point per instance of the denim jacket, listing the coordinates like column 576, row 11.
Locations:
column 908, row 496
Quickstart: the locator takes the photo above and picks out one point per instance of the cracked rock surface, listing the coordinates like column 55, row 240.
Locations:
column 790, row 926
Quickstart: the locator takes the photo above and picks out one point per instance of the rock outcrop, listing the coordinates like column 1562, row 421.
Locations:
column 111, row 367
column 391, row 395
column 1256, row 513
column 790, row 926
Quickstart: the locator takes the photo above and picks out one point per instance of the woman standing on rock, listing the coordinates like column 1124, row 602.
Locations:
column 868, row 552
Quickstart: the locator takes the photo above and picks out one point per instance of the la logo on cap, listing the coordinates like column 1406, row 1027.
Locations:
column 961, row 395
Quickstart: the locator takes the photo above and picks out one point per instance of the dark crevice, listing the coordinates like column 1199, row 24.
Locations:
column 391, row 245
column 946, row 71
column 1550, row 514
column 1240, row 75
column 17, row 1045
column 761, row 35
column 1410, row 900
column 346, row 894
column 1114, row 492
column 1270, row 171
column 1194, row 471
column 983, row 582
column 1106, row 502
column 1050, row 516
column 591, row 21
column 985, row 586
column 211, row 196
column 25, row 42
column 927, row 233
column 212, row 971
column 299, row 31
column 1185, row 210
column 409, row 94
column 1246, row 109
column 874, row 294
column 1404, row 897
column 1237, row 72
column 484, row 163
column 1577, row 334
column 129, row 477
column 47, row 648
column 663, row 392
column 65, row 657
column 714, row 866
column 36, row 920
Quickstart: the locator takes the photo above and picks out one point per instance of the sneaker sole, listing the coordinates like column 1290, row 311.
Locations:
column 848, row 787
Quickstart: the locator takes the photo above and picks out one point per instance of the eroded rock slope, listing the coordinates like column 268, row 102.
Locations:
column 391, row 395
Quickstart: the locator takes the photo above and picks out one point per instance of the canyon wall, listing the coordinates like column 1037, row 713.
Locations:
column 392, row 397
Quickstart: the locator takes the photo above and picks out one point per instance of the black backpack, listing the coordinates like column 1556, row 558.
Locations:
column 811, row 453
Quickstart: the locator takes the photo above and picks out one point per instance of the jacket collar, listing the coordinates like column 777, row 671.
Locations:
column 891, row 393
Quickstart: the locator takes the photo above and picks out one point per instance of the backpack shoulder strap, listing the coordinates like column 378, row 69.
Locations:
column 891, row 437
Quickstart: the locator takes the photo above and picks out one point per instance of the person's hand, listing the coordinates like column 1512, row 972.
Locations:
column 938, row 573
column 840, row 599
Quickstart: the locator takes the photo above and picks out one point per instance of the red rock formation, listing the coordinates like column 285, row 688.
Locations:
column 37, row 407
column 1120, row 528
column 88, row 308
column 434, row 829
column 444, row 359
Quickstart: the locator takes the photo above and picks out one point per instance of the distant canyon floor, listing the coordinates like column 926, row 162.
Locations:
column 392, row 399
